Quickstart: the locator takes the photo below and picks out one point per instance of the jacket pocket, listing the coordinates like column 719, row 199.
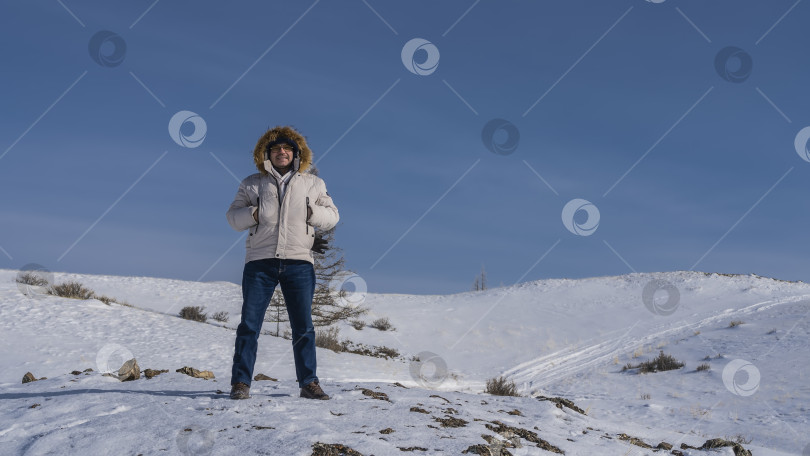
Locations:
column 255, row 228
column 306, row 218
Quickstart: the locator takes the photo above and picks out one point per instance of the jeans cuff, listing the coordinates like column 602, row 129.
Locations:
column 234, row 381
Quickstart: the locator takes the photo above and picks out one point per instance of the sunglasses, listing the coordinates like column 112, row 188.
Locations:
column 279, row 147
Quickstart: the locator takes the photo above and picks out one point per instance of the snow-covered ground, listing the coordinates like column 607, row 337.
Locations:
column 566, row 338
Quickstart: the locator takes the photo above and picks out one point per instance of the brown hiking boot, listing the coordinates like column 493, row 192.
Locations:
column 240, row 391
column 313, row 391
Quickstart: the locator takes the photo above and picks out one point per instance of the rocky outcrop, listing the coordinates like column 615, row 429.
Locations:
column 191, row 372
column 29, row 377
column 129, row 371
column 149, row 373
column 333, row 449
column 451, row 422
column 561, row 402
column 509, row 432
column 719, row 443
column 264, row 377
column 375, row 395
column 85, row 372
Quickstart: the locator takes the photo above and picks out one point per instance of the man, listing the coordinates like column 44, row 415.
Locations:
column 281, row 206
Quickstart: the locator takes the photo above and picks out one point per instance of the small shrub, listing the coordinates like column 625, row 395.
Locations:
column 73, row 290
column 699, row 412
column 697, row 333
column 364, row 350
column 328, row 338
column 108, row 300
column 661, row 363
column 773, row 331
column 32, row 279
column 739, row 438
column 220, row 316
column 735, row 323
column 358, row 324
column 382, row 324
column 105, row 299
column 501, row 386
column 194, row 313
column 704, row 367
column 386, row 352
column 646, row 396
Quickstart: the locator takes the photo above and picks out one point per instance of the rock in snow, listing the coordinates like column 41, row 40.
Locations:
column 190, row 371
column 129, row 371
column 149, row 373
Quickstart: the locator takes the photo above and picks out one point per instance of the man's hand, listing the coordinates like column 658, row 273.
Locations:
column 320, row 245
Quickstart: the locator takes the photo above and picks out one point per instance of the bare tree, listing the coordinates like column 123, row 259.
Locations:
column 277, row 311
column 481, row 281
column 331, row 303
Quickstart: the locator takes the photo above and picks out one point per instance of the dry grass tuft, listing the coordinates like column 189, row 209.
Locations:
column 72, row 290
column 194, row 313
column 382, row 324
column 501, row 386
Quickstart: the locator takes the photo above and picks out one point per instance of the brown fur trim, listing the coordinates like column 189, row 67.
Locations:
column 274, row 133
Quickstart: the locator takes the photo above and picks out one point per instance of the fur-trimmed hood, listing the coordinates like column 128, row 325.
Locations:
column 304, row 153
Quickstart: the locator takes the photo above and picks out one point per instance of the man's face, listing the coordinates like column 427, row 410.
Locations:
column 281, row 155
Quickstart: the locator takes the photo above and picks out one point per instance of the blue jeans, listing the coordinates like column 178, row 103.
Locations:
column 259, row 280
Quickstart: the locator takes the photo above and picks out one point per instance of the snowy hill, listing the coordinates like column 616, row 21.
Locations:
column 555, row 338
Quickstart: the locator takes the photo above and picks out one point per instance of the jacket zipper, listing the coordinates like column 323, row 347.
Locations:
column 306, row 221
column 280, row 199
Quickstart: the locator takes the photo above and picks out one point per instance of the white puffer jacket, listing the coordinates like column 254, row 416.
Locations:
column 283, row 230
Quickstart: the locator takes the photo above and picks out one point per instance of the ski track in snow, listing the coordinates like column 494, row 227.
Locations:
column 568, row 362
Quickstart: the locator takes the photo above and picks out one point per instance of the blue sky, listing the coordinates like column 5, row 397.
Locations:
column 617, row 103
